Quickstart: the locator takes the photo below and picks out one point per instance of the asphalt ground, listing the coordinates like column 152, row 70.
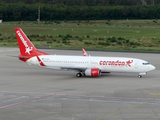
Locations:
column 34, row 93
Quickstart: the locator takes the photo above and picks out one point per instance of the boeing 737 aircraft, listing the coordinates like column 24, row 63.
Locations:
column 85, row 66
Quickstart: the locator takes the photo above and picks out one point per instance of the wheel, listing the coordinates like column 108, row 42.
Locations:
column 78, row 74
column 139, row 76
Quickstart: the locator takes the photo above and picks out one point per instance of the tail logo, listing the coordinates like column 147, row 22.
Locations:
column 28, row 49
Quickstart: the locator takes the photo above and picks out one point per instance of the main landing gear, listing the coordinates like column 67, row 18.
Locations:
column 140, row 76
column 79, row 74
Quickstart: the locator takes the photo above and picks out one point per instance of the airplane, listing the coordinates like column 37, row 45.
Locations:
column 85, row 66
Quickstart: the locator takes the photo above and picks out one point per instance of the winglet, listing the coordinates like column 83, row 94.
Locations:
column 84, row 52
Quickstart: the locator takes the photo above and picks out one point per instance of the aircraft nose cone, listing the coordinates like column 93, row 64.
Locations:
column 152, row 67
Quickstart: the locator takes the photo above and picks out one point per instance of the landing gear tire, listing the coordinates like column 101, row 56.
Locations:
column 139, row 76
column 79, row 75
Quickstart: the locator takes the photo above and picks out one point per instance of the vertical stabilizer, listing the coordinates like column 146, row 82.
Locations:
column 26, row 47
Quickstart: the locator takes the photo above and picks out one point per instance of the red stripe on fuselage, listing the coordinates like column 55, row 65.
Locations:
column 40, row 62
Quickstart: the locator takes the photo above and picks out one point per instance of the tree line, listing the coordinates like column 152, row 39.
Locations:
column 29, row 12
column 86, row 2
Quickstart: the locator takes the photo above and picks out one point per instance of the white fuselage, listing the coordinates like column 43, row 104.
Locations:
column 105, row 64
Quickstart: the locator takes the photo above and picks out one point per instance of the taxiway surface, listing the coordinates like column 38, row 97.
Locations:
column 34, row 93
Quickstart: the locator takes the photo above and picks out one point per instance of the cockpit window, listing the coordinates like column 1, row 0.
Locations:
column 145, row 63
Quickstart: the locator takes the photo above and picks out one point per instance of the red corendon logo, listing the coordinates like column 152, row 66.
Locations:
column 116, row 63
column 129, row 62
column 28, row 49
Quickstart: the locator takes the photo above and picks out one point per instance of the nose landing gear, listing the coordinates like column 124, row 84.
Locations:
column 140, row 74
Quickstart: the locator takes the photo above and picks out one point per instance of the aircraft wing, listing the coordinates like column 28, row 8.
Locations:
column 68, row 68
column 12, row 56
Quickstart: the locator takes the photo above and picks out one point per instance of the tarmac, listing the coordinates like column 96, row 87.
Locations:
column 34, row 93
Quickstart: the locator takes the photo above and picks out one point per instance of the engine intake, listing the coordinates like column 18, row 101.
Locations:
column 94, row 72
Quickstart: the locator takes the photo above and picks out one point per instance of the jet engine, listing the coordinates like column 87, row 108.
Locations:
column 94, row 72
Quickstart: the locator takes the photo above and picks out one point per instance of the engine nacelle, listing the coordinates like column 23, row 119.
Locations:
column 94, row 72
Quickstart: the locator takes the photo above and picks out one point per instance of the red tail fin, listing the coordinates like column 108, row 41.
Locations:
column 26, row 47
